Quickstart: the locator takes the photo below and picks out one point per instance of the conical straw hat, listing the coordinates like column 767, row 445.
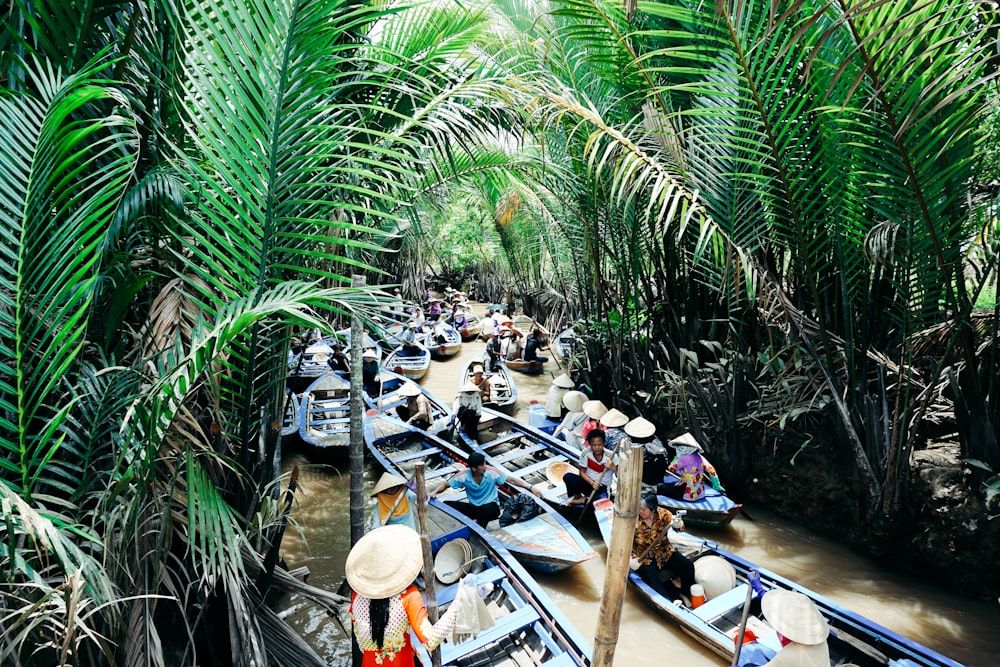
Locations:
column 594, row 409
column 640, row 428
column 564, row 381
column 555, row 470
column 449, row 563
column 614, row 418
column 384, row 562
column 387, row 481
column 409, row 389
column 794, row 616
column 715, row 574
column 686, row 439
column 574, row 400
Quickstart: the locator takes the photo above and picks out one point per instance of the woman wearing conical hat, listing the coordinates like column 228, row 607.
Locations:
column 394, row 503
column 386, row 605
column 692, row 468
column 569, row 429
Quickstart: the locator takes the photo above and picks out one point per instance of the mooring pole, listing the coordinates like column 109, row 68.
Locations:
column 357, row 415
column 616, row 571
column 425, row 543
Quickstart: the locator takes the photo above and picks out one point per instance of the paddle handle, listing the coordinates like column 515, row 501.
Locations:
column 743, row 625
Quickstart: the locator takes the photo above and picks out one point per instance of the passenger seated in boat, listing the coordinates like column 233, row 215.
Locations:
column 493, row 352
column 370, row 381
column 458, row 318
column 480, row 482
column 653, row 555
column 654, row 458
column 692, row 468
column 612, row 422
column 800, row 628
column 385, row 605
column 394, row 503
column 531, row 346
column 441, row 331
column 318, row 350
column 468, row 408
column 410, row 347
column 489, row 325
column 417, row 411
column 597, row 466
column 338, row 361
column 569, row 428
column 554, row 399
column 594, row 411
column 481, row 381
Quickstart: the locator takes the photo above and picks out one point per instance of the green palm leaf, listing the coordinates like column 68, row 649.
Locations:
column 64, row 164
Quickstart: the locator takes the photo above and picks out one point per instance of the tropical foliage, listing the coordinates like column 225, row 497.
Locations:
column 184, row 184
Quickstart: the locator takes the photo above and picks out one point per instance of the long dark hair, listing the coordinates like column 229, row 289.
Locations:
column 378, row 612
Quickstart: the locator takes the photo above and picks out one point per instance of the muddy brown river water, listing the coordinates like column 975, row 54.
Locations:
column 966, row 630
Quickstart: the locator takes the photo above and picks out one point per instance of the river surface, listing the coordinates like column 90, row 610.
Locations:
column 319, row 537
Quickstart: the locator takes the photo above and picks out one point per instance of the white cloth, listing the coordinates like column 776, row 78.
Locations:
column 489, row 326
column 473, row 616
column 571, row 426
column 468, row 400
column 553, row 402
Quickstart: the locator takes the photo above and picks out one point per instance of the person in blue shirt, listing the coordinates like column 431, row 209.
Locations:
column 482, row 502
column 532, row 345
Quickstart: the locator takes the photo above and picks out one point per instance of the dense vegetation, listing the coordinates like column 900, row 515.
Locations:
column 772, row 214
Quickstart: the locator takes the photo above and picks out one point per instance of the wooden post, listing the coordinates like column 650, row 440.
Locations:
column 616, row 571
column 425, row 543
column 357, row 502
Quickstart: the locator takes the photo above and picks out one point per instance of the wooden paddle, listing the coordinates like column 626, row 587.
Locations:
column 743, row 625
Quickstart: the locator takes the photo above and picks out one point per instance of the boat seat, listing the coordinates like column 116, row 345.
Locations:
column 534, row 467
column 513, row 435
column 504, row 627
column 423, row 453
column 718, row 606
column 517, row 453
column 444, row 470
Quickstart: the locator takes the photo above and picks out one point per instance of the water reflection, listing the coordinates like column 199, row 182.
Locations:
column 965, row 630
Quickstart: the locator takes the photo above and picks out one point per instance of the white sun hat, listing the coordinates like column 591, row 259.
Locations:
column 574, row 400
column 614, row 418
column 686, row 440
column 564, row 381
column 387, row 481
column 384, row 562
column 594, row 409
column 794, row 616
column 409, row 389
column 640, row 428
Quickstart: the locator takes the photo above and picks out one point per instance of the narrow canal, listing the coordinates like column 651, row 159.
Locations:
column 963, row 629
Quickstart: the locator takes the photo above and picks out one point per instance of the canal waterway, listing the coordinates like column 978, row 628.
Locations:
column 966, row 630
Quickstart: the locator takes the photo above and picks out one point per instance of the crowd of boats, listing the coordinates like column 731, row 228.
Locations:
column 527, row 628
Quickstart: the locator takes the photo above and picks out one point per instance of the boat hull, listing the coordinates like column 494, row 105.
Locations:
column 413, row 366
column 853, row 638
column 546, row 543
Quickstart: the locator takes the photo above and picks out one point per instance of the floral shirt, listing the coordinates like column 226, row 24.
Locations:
column 646, row 535
column 693, row 470
column 406, row 611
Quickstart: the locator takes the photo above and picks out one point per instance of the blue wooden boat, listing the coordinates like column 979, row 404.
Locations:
column 413, row 366
column 503, row 389
column 451, row 346
column 290, row 414
column 325, row 411
column 715, row 509
column 854, row 639
column 534, row 457
column 529, row 630
column 325, row 407
column 541, row 421
column 546, row 543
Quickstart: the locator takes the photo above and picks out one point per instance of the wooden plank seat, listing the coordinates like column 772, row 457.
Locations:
column 507, row 626
column 517, row 453
column 718, row 606
column 407, row 456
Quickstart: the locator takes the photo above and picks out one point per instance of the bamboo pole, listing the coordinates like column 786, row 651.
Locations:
column 616, row 572
column 425, row 543
column 357, row 502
